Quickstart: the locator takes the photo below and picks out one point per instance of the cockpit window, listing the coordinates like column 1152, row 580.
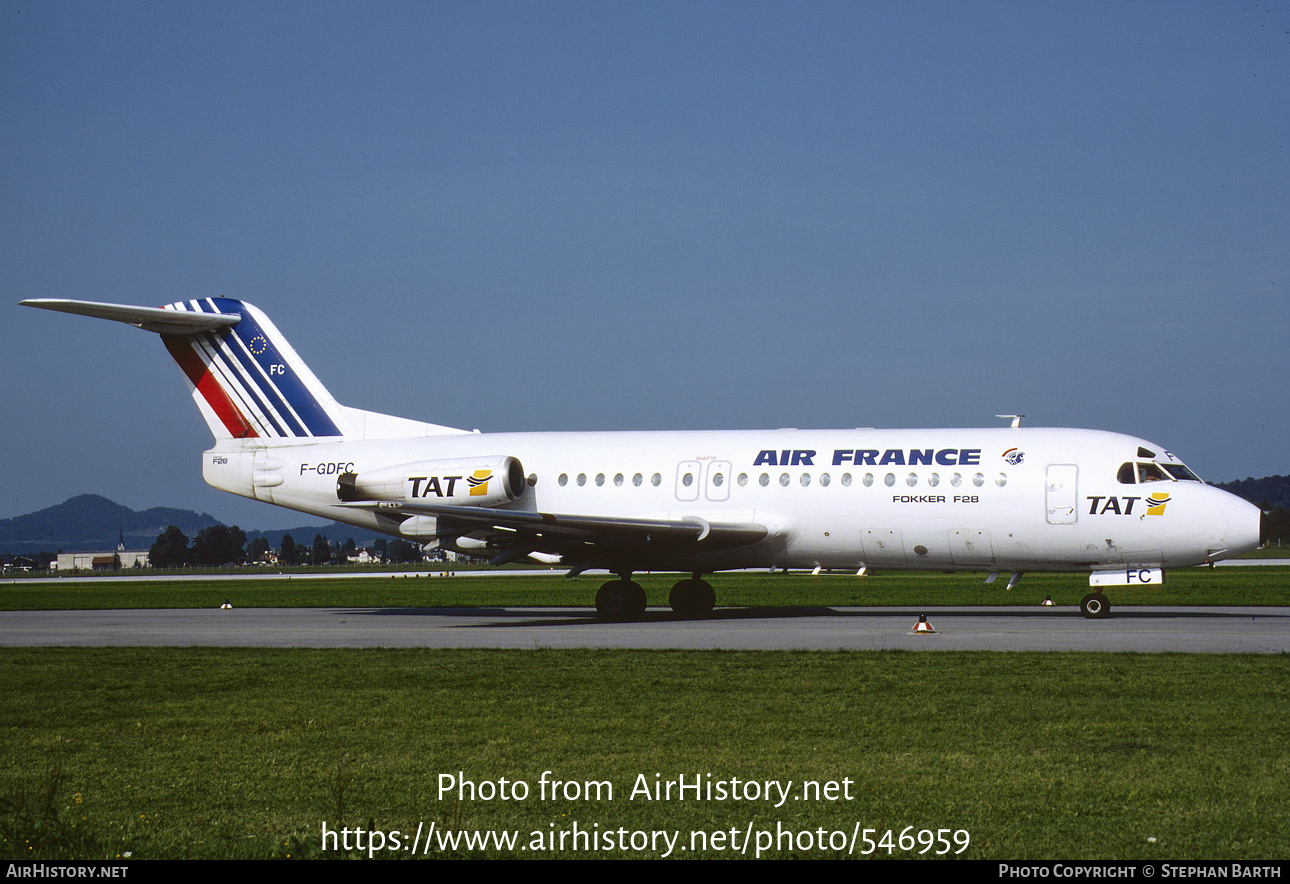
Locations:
column 1149, row 472
column 1132, row 473
column 1181, row 473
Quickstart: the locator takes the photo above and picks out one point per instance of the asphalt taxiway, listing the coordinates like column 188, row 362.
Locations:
column 1152, row 629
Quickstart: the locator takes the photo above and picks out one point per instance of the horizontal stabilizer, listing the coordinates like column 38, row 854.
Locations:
column 153, row 319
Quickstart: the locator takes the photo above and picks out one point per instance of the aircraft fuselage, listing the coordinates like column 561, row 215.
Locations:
column 1027, row 499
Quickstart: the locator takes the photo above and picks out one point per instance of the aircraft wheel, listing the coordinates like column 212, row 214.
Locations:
column 692, row 598
column 636, row 600
column 620, row 600
column 1095, row 605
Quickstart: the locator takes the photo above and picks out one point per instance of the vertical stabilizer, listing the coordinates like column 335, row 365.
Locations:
column 248, row 381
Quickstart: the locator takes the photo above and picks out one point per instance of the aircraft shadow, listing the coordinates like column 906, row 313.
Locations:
column 528, row 617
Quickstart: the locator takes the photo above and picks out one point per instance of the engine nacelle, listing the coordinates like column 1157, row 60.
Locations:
column 470, row 481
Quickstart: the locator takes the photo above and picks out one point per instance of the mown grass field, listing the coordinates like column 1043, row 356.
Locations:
column 210, row 753
column 233, row 753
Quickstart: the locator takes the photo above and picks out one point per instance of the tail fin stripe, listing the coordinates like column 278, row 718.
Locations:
column 213, row 354
column 214, row 350
column 219, row 352
column 287, row 393
column 208, row 386
column 244, row 359
column 211, row 349
column 293, row 409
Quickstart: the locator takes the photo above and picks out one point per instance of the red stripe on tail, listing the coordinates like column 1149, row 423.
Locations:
column 208, row 385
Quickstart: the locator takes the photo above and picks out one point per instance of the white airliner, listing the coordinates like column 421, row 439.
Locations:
column 992, row 500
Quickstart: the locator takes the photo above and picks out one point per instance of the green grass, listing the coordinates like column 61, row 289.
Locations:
column 232, row 753
column 245, row 754
column 1265, row 585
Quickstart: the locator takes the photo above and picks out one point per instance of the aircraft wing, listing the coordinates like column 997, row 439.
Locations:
column 576, row 538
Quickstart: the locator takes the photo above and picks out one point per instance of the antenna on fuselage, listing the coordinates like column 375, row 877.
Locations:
column 1015, row 418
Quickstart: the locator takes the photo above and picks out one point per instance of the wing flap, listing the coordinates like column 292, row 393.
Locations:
column 557, row 532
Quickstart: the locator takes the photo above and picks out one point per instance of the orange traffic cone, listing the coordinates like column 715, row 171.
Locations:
column 922, row 626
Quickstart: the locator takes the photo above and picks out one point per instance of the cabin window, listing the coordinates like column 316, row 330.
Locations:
column 911, row 480
column 656, row 479
column 687, row 480
column 582, row 479
column 600, row 478
column 618, row 480
column 956, row 480
column 824, row 479
column 743, row 479
column 934, row 479
column 846, row 480
column 637, row 479
column 564, row 479
column 718, row 480
column 784, row 479
column 806, row 479
column 978, row 479
column 868, row 480
column 764, row 480
column 1001, row 480
column 889, row 480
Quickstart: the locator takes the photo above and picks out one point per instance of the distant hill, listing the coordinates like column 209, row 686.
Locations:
column 90, row 522
column 1272, row 492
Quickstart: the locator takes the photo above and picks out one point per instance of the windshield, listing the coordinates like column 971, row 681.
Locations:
column 1142, row 473
column 1181, row 473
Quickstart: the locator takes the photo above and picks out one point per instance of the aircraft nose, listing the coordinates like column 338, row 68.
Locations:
column 1242, row 527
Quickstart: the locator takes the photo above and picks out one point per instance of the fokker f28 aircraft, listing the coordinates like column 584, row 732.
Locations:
column 995, row 500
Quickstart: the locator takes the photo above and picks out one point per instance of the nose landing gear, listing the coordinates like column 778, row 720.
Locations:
column 1095, row 606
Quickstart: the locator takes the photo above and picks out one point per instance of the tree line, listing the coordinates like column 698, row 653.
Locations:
column 220, row 545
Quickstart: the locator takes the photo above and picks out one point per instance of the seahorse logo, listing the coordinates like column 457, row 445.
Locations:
column 478, row 482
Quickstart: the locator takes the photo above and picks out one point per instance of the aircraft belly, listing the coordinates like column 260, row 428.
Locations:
column 971, row 548
column 883, row 546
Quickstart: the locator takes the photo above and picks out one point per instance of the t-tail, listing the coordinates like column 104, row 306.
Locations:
column 247, row 380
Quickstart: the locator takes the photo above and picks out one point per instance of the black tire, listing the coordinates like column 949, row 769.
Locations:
column 705, row 598
column 620, row 600
column 681, row 598
column 636, row 601
column 1095, row 606
column 611, row 601
column 692, row 598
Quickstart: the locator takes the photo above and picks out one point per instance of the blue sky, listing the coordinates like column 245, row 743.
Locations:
column 533, row 216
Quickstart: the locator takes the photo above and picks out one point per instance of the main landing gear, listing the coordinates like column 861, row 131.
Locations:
column 1095, row 605
column 692, row 598
column 623, row 599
